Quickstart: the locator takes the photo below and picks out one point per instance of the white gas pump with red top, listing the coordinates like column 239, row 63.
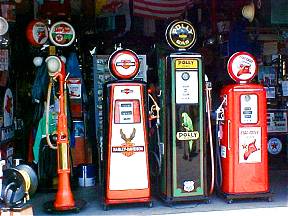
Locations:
column 125, row 133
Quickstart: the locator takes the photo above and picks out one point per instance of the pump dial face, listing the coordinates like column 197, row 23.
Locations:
column 242, row 66
column 180, row 35
column 124, row 64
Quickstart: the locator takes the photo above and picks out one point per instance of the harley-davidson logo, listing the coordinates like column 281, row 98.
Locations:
column 126, row 91
column 125, row 64
column 128, row 148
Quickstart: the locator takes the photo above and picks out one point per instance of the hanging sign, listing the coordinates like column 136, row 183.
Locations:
column 8, row 108
column 37, row 33
column 180, row 35
column 124, row 64
column 242, row 66
column 62, row 34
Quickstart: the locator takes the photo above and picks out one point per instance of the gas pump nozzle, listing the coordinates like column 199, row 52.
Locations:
column 154, row 108
column 219, row 118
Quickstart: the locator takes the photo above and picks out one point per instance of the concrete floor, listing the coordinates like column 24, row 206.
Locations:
column 279, row 187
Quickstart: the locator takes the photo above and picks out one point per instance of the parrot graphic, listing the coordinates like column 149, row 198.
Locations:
column 188, row 125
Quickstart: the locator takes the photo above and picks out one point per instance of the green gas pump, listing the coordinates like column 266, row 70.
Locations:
column 183, row 128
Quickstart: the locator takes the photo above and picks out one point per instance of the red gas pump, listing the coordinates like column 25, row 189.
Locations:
column 125, row 145
column 242, row 133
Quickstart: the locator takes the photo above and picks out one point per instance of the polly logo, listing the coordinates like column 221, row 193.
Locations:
column 180, row 35
column 194, row 135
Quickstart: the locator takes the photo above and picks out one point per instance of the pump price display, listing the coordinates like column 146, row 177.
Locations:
column 126, row 112
column 249, row 109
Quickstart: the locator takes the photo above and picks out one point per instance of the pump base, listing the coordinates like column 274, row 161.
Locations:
column 109, row 202
column 229, row 198
column 49, row 207
column 170, row 201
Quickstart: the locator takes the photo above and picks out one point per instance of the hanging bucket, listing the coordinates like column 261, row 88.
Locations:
column 86, row 175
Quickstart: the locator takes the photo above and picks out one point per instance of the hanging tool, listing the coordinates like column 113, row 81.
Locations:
column 154, row 113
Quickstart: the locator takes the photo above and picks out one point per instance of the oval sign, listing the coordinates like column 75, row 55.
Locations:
column 124, row 64
column 62, row 34
column 3, row 26
column 180, row 35
column 37, row 33
column 242, row 66
column 274, row 146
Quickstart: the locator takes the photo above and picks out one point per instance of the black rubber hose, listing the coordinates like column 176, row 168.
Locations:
column 219, row 178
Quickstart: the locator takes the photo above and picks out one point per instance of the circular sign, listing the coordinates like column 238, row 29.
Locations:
column 62, row 34
column 180, row 35
column 242, row 66
column 124, row 64
column 37, row 33
column 274, row 146
column 3, row 26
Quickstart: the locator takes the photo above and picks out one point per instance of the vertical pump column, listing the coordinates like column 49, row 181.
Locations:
column 243, row 145
column 182, row 129
column 125, row 135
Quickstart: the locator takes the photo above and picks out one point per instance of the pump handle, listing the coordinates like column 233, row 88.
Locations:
column 228, row 132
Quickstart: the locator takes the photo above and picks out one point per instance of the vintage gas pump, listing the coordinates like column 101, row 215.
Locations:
column 125, row 135
column 242, row 133
column 64, row 200
column 183, row 123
